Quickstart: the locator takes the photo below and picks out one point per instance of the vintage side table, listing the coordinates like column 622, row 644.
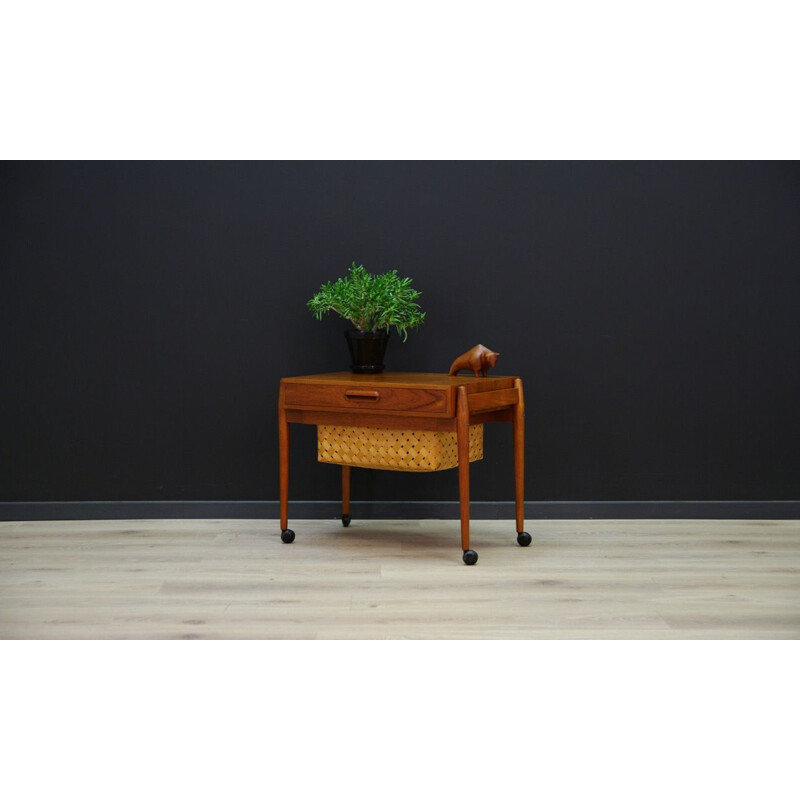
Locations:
column 349, row 406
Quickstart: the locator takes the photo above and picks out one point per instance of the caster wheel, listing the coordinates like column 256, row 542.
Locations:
column 470, row 557
column 346, row 520
column 287, row 536
column 523, row 539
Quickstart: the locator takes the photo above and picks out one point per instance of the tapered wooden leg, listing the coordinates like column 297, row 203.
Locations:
column 519, row 465
column 519, row 457
column 462, row 432
column 283, row 450
column 345, row 495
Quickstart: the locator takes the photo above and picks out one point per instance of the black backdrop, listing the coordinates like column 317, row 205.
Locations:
column 149, row 309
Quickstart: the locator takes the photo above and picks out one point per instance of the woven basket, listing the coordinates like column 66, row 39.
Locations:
column 405, row 451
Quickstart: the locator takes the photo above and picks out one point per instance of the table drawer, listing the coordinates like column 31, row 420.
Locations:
column 331, row 397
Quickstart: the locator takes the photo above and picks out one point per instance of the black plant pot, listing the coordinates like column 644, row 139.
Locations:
column 367, row 349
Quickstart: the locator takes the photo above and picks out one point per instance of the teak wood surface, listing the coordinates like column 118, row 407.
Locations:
column 402, row 400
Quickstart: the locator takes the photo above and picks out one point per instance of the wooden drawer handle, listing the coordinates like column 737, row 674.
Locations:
column 361, row 394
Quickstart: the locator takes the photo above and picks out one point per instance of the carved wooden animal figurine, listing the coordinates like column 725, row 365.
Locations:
column 479, row 359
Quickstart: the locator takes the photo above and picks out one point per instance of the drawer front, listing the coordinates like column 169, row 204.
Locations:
column 368, row 398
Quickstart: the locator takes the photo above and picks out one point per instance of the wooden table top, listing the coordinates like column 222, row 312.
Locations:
column 437, row 380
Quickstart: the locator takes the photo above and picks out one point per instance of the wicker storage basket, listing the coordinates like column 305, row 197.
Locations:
column 405, row 451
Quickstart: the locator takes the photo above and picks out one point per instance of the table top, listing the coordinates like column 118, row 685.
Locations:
column 431, row 380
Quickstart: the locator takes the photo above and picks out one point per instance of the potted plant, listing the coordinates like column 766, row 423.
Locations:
column 374, row 304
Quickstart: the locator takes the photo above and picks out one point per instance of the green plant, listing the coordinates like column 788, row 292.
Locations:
column 370, row 302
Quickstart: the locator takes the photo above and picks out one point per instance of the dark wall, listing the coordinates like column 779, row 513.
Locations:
column 149, row 309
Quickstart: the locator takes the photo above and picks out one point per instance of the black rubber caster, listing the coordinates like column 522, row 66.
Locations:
column 470, row 557
column 346, row 520
column 287, row 536
column 523, row 539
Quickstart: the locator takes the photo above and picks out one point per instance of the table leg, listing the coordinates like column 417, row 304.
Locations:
column 345, row 495
column 462, row 433
column 283, row 450
column 523, row 538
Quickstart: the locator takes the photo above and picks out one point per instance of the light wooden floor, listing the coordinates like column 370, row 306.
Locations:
column 235, row 579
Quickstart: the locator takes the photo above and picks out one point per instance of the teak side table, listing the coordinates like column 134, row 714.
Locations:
column 419, row 401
